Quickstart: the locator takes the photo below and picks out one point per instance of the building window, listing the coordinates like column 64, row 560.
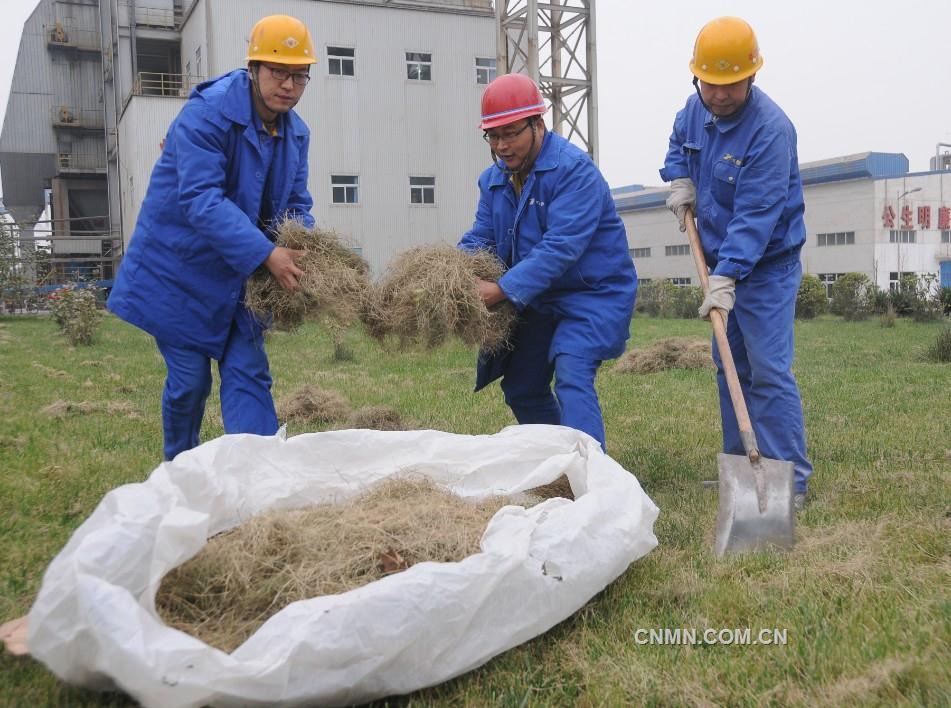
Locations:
column 640, row 252
column 827, row 280
column 345, row 189
column 681, row 250
column 340, row 61
column 895, row 279
column 895, row 236
column 485, row 70
column 680, row 282
column 419, row 67
column 946, row 237
column 422, row 190
column 839, row 238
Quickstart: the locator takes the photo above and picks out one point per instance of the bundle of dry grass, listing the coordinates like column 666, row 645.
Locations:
column 313, row 404
column 428, row 294
column 377, row 418
column 243, row 576
column 664, row 354
column 333, row 288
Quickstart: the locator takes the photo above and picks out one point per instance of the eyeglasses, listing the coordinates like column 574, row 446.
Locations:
column 505, row 137
column 283, row 75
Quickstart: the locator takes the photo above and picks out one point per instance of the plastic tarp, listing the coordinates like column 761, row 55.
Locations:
column 94, row 621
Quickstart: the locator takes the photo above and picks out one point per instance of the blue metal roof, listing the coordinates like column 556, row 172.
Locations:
column 865, row 165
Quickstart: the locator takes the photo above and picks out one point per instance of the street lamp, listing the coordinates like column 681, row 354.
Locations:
column 898, row 233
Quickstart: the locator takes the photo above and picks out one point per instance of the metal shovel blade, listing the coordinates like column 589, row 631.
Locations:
column 756, row 505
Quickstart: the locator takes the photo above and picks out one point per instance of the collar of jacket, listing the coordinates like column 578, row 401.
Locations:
column 547, row 159
column 726, row 125
column 235, row 102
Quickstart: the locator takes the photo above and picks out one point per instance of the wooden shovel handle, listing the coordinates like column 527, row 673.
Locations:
column 718, row 320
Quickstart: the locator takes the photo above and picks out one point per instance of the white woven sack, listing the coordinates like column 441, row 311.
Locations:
column 94, row 621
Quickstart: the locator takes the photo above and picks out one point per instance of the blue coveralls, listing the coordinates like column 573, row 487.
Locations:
column 196, row 241
column 570, row 277
column 750, row 217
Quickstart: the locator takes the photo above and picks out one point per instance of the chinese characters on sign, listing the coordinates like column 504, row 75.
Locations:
column 908, row 217
column 888, row 217
column 906, row 221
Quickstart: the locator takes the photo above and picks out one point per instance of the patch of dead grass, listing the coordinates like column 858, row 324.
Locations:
column 665, row 354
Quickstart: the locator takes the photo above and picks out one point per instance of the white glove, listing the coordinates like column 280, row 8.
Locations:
column 683, row 194
column 721, row 295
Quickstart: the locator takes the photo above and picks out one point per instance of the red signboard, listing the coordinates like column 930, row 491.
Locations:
column 944, row 217
column 924, row 217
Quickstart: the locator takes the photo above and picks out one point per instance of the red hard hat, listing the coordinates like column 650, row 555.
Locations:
column 509, row 98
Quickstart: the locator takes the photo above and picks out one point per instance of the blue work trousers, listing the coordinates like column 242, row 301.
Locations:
column 760, row 332
column 246, row 402
column 526, row 382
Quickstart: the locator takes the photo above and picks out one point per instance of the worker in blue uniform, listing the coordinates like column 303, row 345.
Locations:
column 233, row 161
column 546, row 211
column 732, row 161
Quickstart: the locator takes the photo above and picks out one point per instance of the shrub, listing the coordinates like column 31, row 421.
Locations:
column 811, row 299
column 661, row 298
column 75, row 311
column 687, row 301
column 655, row 298
column 926, row 306
column 944, row 297
column 940, row 351
column 887, row 318
column 852, row 295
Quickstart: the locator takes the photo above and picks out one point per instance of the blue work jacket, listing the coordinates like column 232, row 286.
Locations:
column 749, row 193
column 197, row 238
column 565, row 246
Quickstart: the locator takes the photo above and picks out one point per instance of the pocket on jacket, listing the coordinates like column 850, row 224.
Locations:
column 725, row 175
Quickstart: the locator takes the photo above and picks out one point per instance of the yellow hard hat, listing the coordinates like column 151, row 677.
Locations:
column 281, row 39
column 726, row 51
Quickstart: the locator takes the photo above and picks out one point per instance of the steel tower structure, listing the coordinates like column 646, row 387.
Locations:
column 554, row 43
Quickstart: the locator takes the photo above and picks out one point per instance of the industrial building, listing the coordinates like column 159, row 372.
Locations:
column 393, row 109
column 865, row 213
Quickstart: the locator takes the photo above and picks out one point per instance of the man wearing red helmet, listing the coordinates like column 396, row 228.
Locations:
column 547, row 212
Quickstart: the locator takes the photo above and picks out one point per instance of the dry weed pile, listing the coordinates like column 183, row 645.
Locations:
column 664, row 354
column 333, row 288
column 313, row 404
column 243, row 576
column 377, row 418
column 428, row 294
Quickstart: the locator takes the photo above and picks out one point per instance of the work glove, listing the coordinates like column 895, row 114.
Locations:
column 721, row 294
column 683, row 194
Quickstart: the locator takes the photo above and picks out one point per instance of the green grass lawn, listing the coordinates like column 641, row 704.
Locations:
column 864, row 598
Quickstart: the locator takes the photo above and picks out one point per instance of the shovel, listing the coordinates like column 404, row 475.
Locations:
column 756, row 493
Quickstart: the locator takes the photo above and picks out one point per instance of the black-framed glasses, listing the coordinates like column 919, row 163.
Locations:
column 506, row 137
column 282, row 75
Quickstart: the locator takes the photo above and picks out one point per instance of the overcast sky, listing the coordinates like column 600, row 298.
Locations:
column 853, row 75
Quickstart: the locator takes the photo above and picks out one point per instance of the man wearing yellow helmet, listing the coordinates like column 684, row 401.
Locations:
column 233, row 162
column 732, row 161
